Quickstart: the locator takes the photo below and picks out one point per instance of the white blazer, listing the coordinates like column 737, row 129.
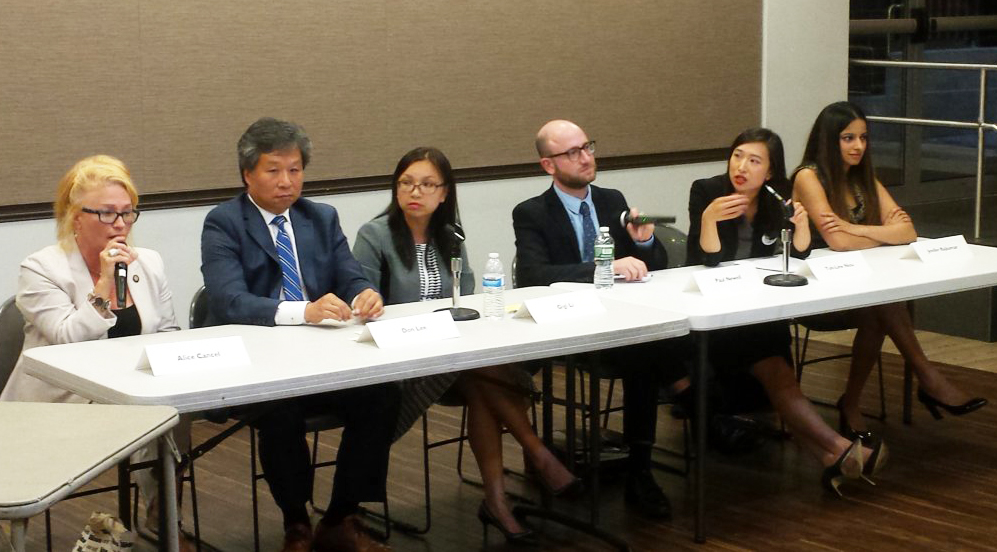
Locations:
column 52, row 295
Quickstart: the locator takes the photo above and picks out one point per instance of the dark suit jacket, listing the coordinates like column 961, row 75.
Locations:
column 766, row 227
column 242, row 275
column 547, row 247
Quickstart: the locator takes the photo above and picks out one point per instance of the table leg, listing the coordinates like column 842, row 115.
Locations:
column 169, row 538
column 545, row 512
column 700, row 382
column 18, row 534
column 595, row 437
column 548, row 417
column 125, row 494
column 570, row 436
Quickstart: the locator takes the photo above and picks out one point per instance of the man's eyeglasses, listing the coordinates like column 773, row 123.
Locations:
column 110, row 217
column 408, row 186
column 573, row 153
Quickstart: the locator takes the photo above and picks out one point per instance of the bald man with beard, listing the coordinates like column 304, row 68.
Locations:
column 553, row 245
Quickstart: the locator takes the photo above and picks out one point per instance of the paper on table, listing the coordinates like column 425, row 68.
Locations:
column 181, row 357
column 623, row 279
column 565, row 306
column 941, row 250
column 420, row 329
column 337, row 323
column 774, row 264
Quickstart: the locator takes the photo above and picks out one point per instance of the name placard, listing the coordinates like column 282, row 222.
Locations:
column 421, row 328
column 727, row 280
column 566, row 306
column 184, row 357
column 849, row 265
column 942, row 250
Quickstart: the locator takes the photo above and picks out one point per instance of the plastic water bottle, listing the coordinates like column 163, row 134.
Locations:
column 493, row 283
column 604, row 255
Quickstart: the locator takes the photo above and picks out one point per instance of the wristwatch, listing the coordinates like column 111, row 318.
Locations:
column 99, row 303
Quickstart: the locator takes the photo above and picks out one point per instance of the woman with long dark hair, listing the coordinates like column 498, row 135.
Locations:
column 405, row 250
column 852, row 210
column 733, row 216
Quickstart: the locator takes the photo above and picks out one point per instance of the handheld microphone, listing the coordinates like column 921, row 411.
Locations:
column 644, row 219
column 121, row 282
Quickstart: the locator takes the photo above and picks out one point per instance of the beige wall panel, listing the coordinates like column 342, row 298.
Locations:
column 369, row 80
column 69, row 87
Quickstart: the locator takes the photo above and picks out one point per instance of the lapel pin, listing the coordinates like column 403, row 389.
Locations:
column 135, row 278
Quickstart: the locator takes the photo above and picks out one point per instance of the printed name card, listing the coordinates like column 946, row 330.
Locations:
column 850, row 265
column 557, row 308
column 942, row 250
column 727, row 280
column 196, row 355
column 422, row 328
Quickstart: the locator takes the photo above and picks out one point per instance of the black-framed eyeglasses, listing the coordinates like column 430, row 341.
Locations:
column 424, row 187
column 573, row 153
column 110, row 217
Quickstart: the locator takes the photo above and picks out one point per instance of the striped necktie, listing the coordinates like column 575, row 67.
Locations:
column 588, row 234
column 285, row 253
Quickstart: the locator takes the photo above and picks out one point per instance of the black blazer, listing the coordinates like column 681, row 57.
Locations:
column 765, row 228
column 242, row 275
column 547, row 247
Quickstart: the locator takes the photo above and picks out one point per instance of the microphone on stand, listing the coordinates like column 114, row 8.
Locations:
column 458, row 312
column 121, row 283
column 786, row 279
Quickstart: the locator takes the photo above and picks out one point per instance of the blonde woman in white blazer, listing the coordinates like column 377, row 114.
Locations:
column 53, row 290
column 67, row 291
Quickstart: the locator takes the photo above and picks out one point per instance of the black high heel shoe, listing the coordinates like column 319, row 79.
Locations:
column 848, row 466
column 933, row 404
column 875, row 462
column 525, row 537
column 846, row 430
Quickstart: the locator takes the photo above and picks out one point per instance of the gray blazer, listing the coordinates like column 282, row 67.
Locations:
column 382, row 266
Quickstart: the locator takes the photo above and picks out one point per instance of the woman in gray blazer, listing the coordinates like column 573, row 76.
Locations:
column 67, row 292
column 405, row 250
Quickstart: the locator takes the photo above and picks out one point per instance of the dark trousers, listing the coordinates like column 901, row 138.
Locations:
column 645, row 368
column 369, row 415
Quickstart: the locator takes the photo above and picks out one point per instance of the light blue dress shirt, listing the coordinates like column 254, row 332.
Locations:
column 572, row 205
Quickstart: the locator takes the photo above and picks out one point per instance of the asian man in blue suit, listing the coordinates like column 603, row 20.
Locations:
column 270, row 257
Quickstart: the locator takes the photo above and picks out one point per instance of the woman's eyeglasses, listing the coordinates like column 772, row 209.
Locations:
column 408, row 186
column 110, row 217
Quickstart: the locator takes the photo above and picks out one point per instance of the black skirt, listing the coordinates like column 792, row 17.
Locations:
column 738, row 349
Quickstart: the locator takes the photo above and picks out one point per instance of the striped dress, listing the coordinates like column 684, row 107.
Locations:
column 418, row 394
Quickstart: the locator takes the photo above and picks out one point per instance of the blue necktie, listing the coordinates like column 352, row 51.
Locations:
column 285, row 253
column 588, row 234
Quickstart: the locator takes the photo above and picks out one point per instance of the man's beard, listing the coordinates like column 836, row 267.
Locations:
column 575, row 182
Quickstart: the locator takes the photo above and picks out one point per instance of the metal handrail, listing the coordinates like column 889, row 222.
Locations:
column 980, row 124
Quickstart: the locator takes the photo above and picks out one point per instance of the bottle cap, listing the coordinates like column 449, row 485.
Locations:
column 493, row 255
column 604, row 229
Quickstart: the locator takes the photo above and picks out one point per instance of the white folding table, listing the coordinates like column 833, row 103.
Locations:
column 896, row 275
column 290, row 361
column 49, row 450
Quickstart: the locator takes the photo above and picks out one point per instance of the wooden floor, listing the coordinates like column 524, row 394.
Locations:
column 938, row 492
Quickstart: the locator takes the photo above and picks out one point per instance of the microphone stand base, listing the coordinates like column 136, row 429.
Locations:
column 783, row 280
column 461, row 314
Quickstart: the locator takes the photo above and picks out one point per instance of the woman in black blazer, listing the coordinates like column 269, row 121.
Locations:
column 736, row 216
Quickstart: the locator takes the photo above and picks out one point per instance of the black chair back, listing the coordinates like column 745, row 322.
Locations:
column 198, row 309
column 11, row 339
